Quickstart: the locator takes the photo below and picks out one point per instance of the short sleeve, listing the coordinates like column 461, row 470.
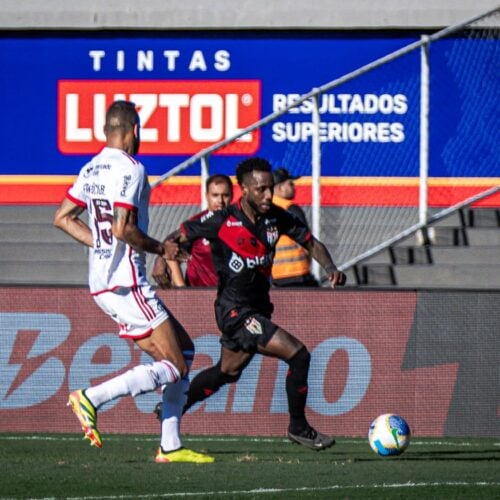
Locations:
column 207, row 226
column 293, row 227
column 76, row 193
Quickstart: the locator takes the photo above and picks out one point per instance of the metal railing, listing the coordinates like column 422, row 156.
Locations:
column 314, row 95
column 442, row 214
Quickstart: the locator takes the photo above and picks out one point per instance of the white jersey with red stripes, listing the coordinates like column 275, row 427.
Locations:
column 113, row 179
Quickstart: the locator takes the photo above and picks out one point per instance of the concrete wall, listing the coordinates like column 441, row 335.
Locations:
column 245, row 14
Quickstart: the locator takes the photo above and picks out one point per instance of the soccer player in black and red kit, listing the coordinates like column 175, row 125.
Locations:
column 243, row 237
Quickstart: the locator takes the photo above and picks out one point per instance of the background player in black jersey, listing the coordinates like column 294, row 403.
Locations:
column 243, row 237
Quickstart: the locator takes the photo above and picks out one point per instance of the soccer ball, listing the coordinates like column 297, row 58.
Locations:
column 389, row 435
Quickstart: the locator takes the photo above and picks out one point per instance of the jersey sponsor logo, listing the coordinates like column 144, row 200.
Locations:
column 206, row 216
column 94, row 189
column 254, row 326
column 234, row 223
column 94, row 169
column 126, row 183
column 88, row 172
column 101, row 253
column 258, row 261
column 177, row 117
column 236, row 263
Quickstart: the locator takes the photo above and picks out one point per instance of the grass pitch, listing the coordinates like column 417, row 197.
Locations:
column 45, row 466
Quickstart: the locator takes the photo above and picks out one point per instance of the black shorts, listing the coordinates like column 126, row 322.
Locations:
column 245, row 330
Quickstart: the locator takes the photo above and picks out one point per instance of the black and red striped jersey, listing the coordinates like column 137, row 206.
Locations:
column 243, row 252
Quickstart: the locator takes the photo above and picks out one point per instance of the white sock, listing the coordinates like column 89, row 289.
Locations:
column 174, row 399
column 140, row 379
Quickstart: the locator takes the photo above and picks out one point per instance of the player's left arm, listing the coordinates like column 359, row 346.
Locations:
column 320, row 253
column 297, row 230
column 67, row 218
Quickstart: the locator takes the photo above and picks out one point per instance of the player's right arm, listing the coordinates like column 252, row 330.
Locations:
column 67, row 218
column 125, row 228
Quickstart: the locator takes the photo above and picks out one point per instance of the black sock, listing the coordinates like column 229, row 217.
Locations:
column 206, row 383
column 296, row 390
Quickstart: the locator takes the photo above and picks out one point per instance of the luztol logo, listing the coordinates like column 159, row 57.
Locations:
column 177, row 117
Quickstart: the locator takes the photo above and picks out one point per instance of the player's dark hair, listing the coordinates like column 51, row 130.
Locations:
column 121, row 115
column 219, row 179
column 247, row 166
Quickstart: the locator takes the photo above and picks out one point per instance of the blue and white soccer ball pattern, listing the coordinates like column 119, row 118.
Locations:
column 389, row 435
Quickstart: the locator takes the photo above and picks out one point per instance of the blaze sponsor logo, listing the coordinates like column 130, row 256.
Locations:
column 258, row 260
column 177, row 117
column 236, row 263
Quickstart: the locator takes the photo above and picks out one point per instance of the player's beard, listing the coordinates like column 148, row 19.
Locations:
column 256, row 207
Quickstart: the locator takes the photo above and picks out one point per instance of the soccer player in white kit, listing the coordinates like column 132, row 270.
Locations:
column 114, row 189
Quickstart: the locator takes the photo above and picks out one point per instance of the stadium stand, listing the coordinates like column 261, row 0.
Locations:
column 462, row 251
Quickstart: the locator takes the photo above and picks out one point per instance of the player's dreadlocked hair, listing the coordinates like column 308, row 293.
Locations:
column 121, row 115
column 249, row 165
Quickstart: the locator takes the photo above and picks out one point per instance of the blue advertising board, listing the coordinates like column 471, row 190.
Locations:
column 195, row 90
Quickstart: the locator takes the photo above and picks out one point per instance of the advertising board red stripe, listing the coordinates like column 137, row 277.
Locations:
column 36, row 192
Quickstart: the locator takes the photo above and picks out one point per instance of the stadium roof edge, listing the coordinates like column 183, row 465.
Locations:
column 245, row 14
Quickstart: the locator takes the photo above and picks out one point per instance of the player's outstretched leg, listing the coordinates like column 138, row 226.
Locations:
column 87, row 416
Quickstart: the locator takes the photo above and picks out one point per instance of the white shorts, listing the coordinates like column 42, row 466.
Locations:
column 138, row 310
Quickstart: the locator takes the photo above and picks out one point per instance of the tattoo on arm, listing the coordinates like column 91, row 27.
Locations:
column 127, row 230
